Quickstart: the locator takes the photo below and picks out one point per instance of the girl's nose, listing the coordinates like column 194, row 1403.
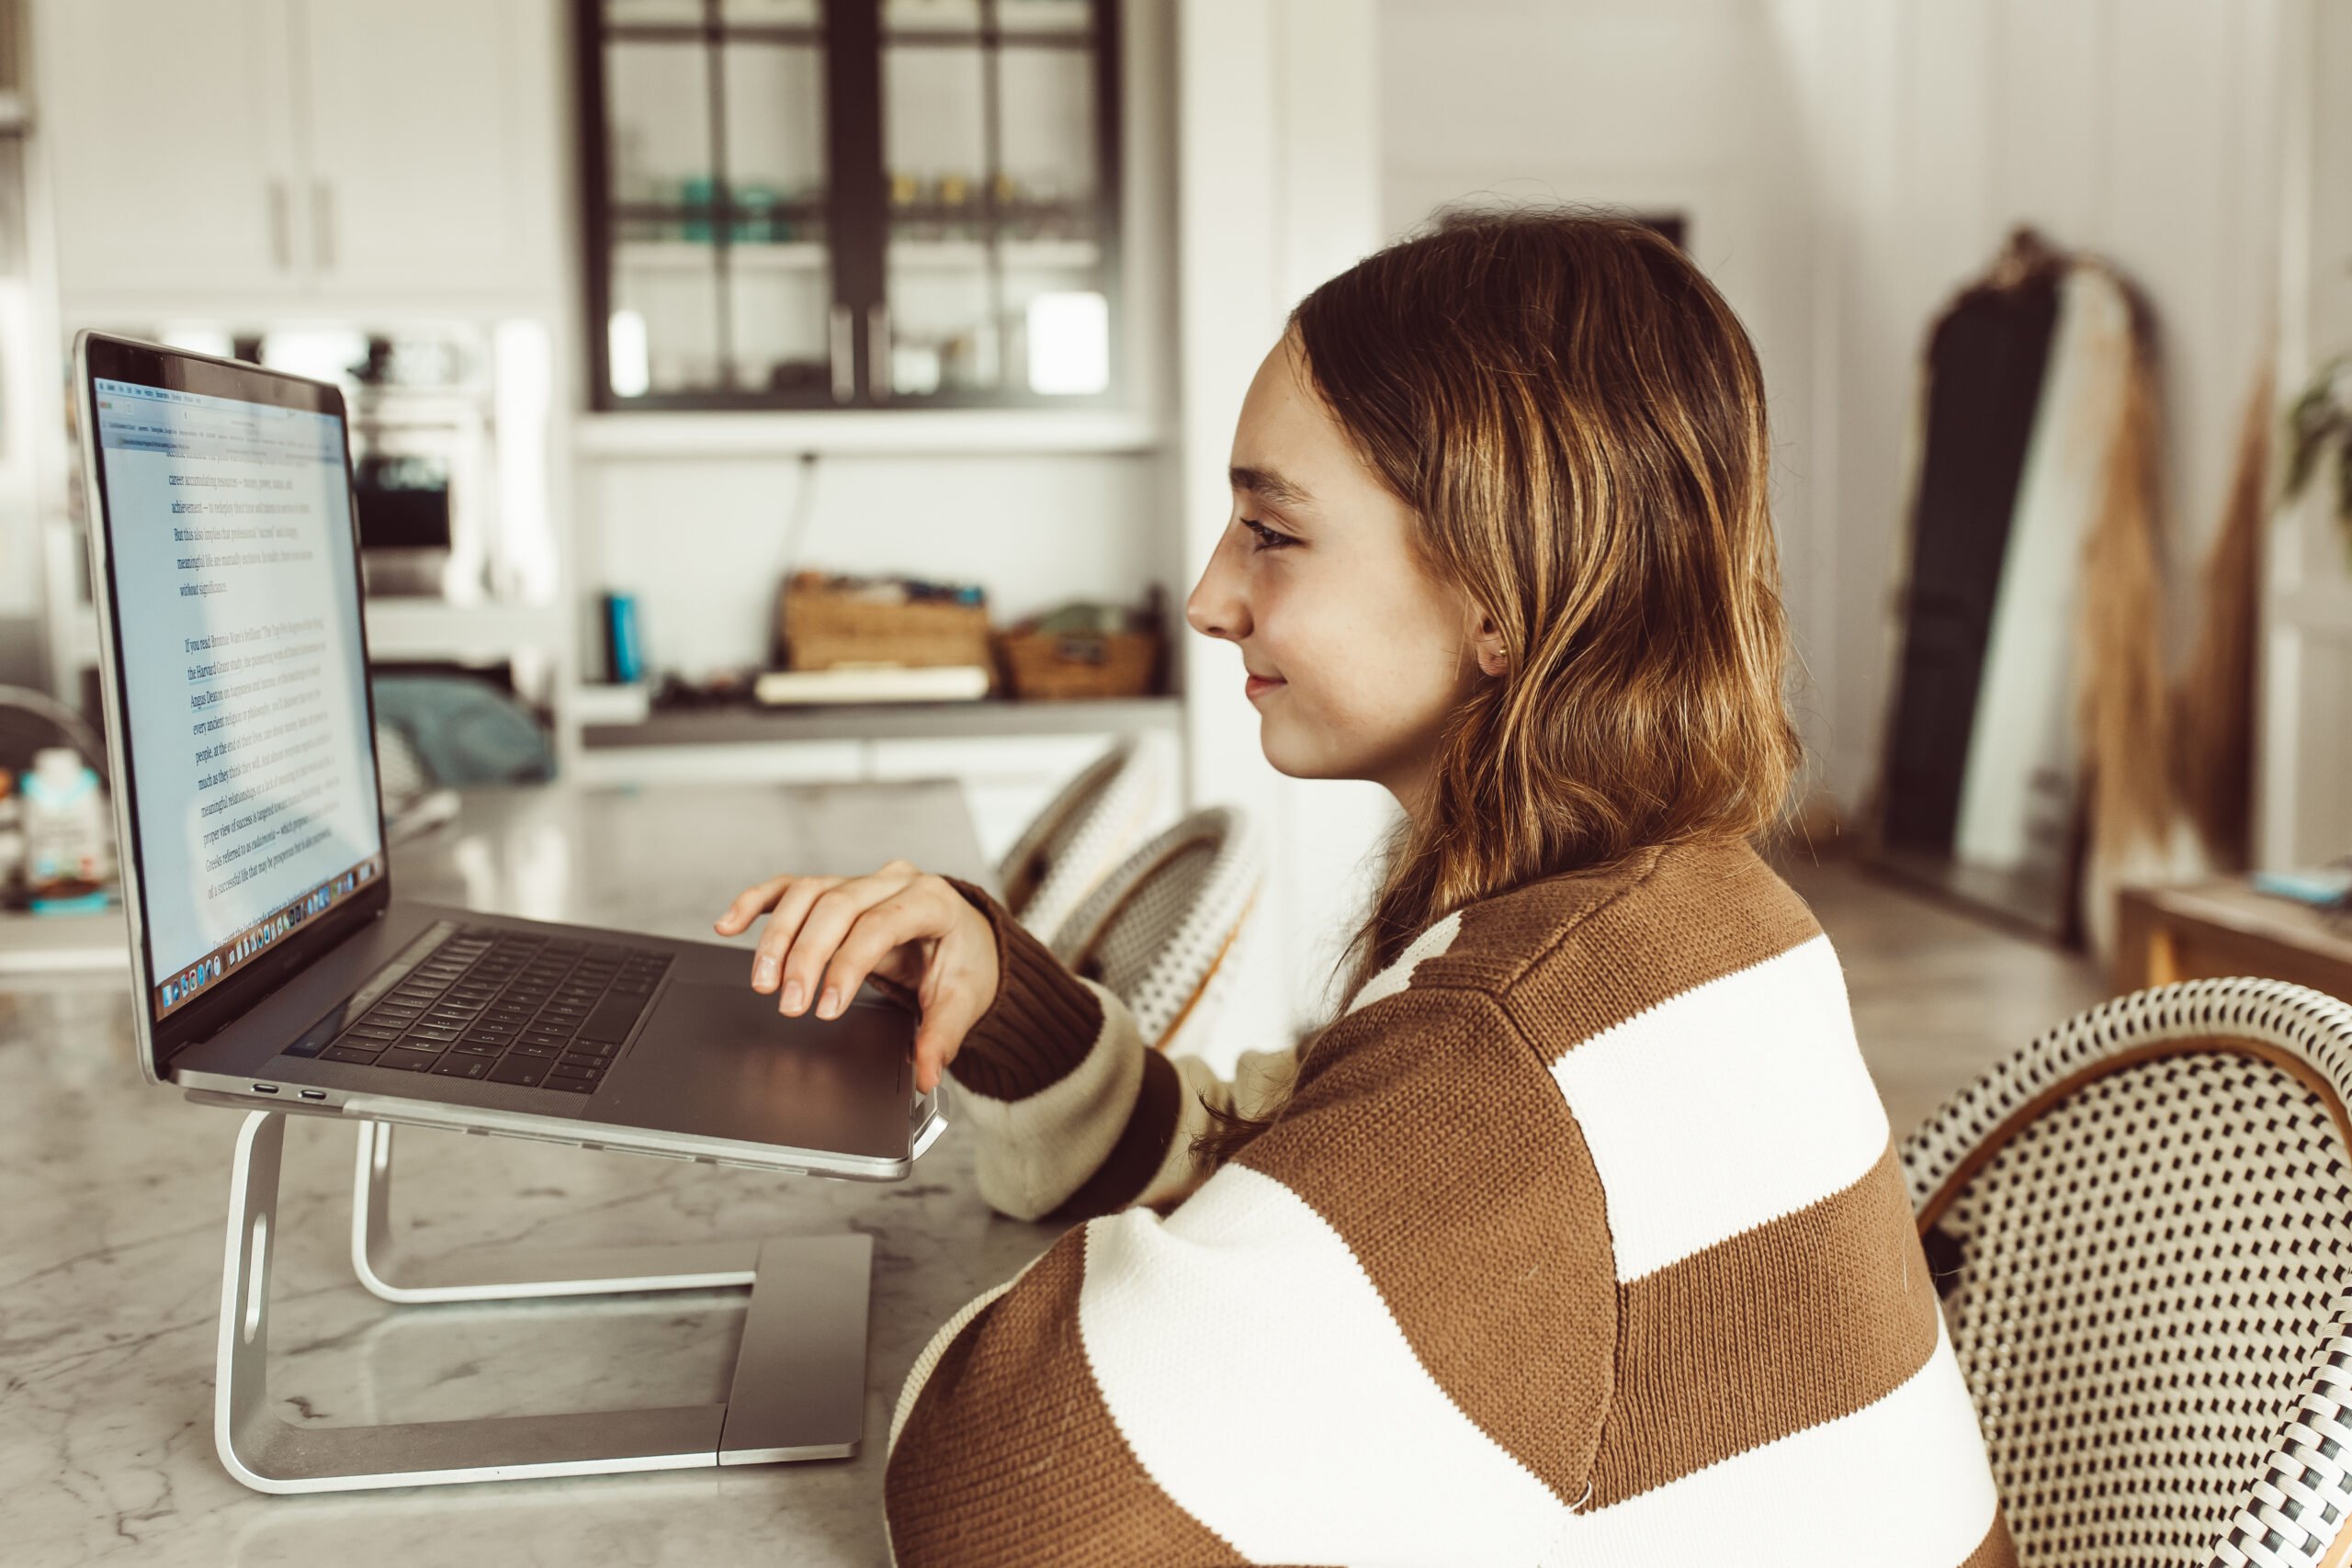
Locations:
column 1215, row 606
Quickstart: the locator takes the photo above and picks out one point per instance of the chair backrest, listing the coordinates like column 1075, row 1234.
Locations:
column 1162, row 931
column 1092, row 824
column 2141, row 1224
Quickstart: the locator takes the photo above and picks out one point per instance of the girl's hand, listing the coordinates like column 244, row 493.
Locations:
column 827, row 934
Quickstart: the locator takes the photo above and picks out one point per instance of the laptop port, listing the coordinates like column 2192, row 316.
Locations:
column 265, row 1088
column 313, row 1093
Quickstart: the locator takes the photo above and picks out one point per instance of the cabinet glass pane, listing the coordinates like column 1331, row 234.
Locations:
column 935, row 130
column 1060, row 18
column 663, row 333
column 779, row 310
column 657, row 97
column 945, row 333
column 776, row 123
column 929, row 17
column 770, row 13
column 1047, row 137
column 653, row 13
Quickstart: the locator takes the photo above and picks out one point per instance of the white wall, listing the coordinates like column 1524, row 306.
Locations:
column 1848, row 166
column 2306, row 813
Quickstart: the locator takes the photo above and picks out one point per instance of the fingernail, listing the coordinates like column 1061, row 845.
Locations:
column 792, row 995
column 829, row 1004
column 764, row 974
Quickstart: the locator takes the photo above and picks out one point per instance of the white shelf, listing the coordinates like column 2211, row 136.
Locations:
column 1017, row 255
column 808, row 255
column 902, row 432
column 699, row 256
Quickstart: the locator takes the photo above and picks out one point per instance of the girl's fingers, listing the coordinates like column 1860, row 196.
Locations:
column 955, row 997
column 783, row 927
column 822, row 931
column 748, row 904
column 904, row 918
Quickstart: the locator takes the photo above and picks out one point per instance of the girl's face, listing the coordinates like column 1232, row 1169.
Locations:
column 1354, row 652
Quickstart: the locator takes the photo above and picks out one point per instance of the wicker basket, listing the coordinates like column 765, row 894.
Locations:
column 1048, row 666
column 823, row 627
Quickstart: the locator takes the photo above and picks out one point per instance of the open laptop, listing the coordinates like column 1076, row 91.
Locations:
column 274, row 967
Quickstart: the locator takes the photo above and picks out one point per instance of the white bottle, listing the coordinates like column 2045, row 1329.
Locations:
column 68, row 851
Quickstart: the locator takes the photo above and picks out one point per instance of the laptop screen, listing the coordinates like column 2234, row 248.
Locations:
column 244, row 692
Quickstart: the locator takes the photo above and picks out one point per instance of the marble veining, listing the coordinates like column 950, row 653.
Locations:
column 113, row 1199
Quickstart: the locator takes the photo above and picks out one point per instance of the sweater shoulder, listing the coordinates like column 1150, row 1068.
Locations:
column 1585, row 950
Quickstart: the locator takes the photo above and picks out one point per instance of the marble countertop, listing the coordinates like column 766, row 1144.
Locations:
column 112, row 1222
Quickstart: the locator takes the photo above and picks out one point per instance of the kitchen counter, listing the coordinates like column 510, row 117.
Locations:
column 113, row 1212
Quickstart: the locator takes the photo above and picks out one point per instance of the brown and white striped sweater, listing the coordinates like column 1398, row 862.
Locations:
column 1581, row 1241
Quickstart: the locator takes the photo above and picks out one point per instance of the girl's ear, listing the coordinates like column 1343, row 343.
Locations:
column 1486, row 642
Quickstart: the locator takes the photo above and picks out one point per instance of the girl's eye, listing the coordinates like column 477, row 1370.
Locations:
column 1268, row 538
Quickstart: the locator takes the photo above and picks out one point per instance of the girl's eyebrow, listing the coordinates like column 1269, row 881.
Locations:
column 1269, row 486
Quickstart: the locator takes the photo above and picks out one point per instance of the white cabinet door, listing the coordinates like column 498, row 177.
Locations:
column 171, row 122
column 424, row 116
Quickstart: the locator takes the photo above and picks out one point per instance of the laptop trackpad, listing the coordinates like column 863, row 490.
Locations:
column 720, row 1061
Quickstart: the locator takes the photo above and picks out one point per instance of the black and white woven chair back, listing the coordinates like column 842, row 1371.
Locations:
column 1163, row 932
column 1083, row 833
column 2141, row 1228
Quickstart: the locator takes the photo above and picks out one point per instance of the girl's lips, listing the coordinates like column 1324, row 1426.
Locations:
column 1258, row 684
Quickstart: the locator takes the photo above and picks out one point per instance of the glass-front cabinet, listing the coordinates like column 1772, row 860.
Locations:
column 851, row 203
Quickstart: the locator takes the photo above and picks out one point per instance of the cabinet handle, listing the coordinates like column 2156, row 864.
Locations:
column 323, row 222
column 878, row 349
column 843, row 355
column 281, row 227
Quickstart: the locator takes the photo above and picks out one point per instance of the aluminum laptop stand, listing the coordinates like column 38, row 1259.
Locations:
column 799, row 1383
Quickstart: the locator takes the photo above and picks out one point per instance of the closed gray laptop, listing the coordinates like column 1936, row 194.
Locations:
column 274, row 965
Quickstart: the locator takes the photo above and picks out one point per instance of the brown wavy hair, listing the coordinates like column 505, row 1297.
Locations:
column 1576, row 420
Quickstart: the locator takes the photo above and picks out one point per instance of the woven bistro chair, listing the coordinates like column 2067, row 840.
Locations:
column 1094, row 822
column 1162, row 931
column 2142, row 1229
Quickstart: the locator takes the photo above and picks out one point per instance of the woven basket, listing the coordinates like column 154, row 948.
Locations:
column 823, row 627
column 1042, row 666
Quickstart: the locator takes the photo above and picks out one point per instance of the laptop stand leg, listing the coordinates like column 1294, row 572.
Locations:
column 799, row 1388
column 520, row 1274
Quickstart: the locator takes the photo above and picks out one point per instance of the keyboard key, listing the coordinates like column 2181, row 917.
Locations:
column 457, row 1067
column 533, row 1048
column 583, row 1059
column 350, row 1053
column 471, row 1047
column 408, row 1061
column 522, row 1070
column 577, row 1086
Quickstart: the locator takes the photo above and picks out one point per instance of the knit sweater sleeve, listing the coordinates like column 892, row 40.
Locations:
column 1071, row 1112
column 1384, row 1332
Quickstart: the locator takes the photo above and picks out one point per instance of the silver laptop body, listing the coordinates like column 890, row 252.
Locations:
column 273, row 966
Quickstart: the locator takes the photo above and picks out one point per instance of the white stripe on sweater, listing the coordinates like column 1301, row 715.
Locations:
column 1035, row 1152
column 1900, row 1484
column 1732, row 1104
column 1257, row 1375
column 1399, row 974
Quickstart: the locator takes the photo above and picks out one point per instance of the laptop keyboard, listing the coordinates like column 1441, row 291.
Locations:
column 506, row 1007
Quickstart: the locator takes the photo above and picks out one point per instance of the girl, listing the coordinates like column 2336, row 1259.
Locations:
column 1578, row 1237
